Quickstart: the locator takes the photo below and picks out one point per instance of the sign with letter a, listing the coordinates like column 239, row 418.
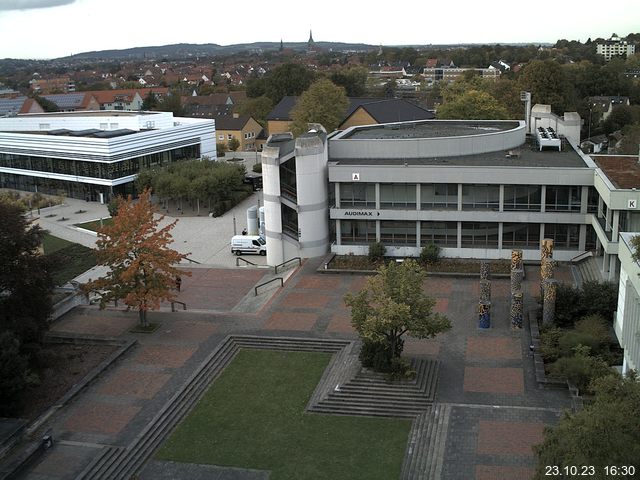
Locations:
column 355, row 177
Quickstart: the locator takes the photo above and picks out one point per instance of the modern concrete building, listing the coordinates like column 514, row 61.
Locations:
column 627, row 318
column 615, row 46
column 95, row 154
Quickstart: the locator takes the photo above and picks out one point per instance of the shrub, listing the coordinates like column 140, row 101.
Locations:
column 221, row 149
column 572, row 339
column 257, row 167
column 377, row 356
column 580, row 369
column 549, row 340
column 377, row 251
column 114, row 205
column 594, row 325
column 430, row 254
column 600, row 298
column 568, row 305
column 233, row 144
column 13, row 373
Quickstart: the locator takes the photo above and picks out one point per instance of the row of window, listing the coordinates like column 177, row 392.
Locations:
column 111, row 170
column 444, row 196
column 473, row 234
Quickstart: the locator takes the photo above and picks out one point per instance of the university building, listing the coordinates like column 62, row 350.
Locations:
column 95, row 154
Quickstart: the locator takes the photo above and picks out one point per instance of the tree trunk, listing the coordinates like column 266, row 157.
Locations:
column 198, row 200
column 143, row 318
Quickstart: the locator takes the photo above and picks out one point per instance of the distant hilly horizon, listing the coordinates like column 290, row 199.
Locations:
column 212, row 49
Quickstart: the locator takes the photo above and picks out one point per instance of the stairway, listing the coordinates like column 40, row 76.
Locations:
column 118, row 463
column 373, row 394
column 425, row 449
column 588, row 270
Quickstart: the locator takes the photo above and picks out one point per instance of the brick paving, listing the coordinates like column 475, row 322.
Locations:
column 493, row 380
column 498, row 411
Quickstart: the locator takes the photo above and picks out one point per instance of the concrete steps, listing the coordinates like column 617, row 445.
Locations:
column 427, row 439
column 373, row 394
column 589, row 270
column 121, row 463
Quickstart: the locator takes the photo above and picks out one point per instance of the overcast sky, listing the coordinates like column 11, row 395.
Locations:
column 55, row 28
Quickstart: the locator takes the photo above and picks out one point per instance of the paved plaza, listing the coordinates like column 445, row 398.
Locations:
column 486, row 379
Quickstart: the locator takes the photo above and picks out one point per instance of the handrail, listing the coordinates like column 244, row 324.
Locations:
column 173, row 305
column 193, row 261
column 268, row 282
column 290, row 260
column 245, row 261
column 581, row 256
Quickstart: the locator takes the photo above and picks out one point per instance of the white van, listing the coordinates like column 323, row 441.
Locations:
column 248, row 244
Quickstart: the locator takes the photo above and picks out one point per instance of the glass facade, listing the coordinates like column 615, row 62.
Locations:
column 398, row 233
column 565, row 237
column 288, row 185
column 525, row 235
column 289, row 221
column 357, row 195
column 398, row 195
column 438, row 196
column 357, row 232
column 443, row 234
column 481, row 197
column 479, row 235
column 563, row 199
column 522, row 197
column 102, row 170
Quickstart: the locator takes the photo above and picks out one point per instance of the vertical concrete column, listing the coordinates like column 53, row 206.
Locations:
column 546, row 248
column 500, row 232
column 338, row 231
column 377, row 230
column 459, row 235
column 484, row 314
column 378, row 200
column 607, row 223
column 582, row 238
column 543, row 198
column 615, row 224
column 459, row 198
column 485, row 291
column 418, row 197
column 549, row 302
column 517, row 310
column 584, row 200
column 418, row 239
column 272, row 207
column 485, row 270
column 501, row 200
column 337, row 193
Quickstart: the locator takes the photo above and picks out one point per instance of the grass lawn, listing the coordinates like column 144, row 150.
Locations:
column 70, row 259
column 253, row 417
column 94, row 225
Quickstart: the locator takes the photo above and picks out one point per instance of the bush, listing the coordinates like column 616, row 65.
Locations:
column 257, row 167
column 13, row 373
column 377, row 251
column 221, row 149
column 580, row 369
column 430, row 254
column 114, row 205
column 594, row 298
column 233, row 144
column 568, row 305
column 549, row 340
column 377, row 356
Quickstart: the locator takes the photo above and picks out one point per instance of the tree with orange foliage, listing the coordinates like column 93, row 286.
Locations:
column 142, row 267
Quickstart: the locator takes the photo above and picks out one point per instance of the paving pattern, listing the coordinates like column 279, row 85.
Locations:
column 487, row 413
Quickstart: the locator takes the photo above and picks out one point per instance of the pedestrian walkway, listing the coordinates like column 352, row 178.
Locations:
column 488, row 410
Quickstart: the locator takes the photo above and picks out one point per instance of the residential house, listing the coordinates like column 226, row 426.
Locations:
column 126, row 99
column 73, row 102
column 605, row 104
column 594, row 144
column 16, row 105
column 243, row 128
column 361, row 111
column 43, row 86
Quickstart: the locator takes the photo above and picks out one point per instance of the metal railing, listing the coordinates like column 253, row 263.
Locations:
column 173, row 305
column 245, row 261
column 192, row 261
column 581, row 256
column 288, row 261
column 267, row 283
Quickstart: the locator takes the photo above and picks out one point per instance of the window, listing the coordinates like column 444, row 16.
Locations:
column 480, row 197
column 522, row 197
column 357, row 195
column 565, row 237
column 479, row 235
column 438, row 196
column 220, row 137
column 398, row 233
column 357, row 232
column 563, row 199
column 398, row 195
column 443, row 234
column 229, row 136
column 592, row 200
column 520, row 235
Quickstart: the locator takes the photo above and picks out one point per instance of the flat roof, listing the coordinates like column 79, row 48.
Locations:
column 429, row 129
column 622, row 170
column 527, row 155
column 91, row 113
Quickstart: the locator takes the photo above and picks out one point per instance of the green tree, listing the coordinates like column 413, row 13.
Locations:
column 548, row 84
column 323, row 103
column 391, row 304
column 630, row 139
column 150, row 102
column 606, row 432
column 258, row 108
column 14, row 373
column 473, row 105
column 46, row 104
column 25, row 277
column 142, row 266
column 287, row 79
column 621, row 116
column 171, row 103
column 221, row 149
column 233, row 144
column 354, row 80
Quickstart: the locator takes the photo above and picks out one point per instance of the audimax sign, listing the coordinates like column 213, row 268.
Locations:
column 361, row 213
